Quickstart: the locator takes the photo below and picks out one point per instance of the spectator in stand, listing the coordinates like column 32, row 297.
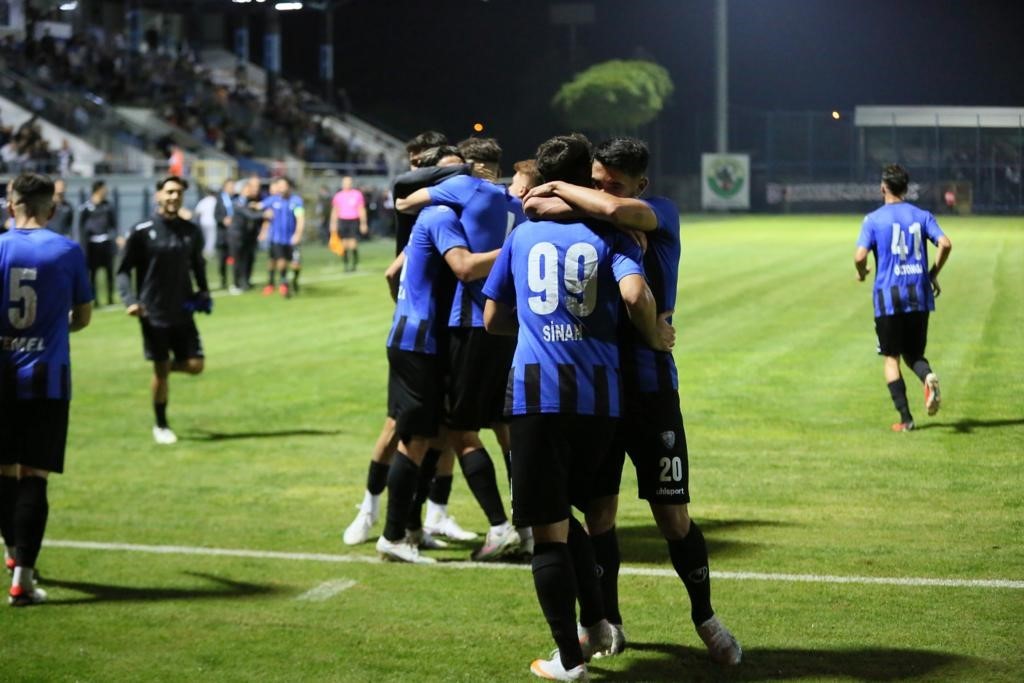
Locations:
column 348, row 220
column 97, row 229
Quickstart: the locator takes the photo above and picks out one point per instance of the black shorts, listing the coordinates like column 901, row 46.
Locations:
column 158, row 342
column 903, row 334
column 100, row 254
column 651, row 432
column 280, row 251
column 34, row 433
column 554, row 459
column 478, row 374
column 415, row 393
column 348, row 228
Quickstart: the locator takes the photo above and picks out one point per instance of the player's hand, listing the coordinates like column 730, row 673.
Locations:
column 666, row 333
column 364, row 229
column 936, row 289
column 861, row 276
column 295, row 241
column 136, row 311
column 542, row 190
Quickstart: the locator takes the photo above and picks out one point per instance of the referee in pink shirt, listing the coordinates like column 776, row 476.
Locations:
column 348, row 215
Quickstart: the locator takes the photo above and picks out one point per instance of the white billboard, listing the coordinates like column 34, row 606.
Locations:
column 725, row 181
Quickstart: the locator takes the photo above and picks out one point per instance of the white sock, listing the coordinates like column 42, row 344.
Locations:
column 435, row 510
column 370, row 504
column 24, row 577
column 525, row 533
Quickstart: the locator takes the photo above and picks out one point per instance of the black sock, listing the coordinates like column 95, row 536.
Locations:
column 427, row 469
column 377, row 477
column 588, row 585
column 401, row 489
column 270, row 276
column 30, row 520
column 344, row 259
column 898, row 391
column 160, row 409
column 295, row 279
column 690, row 559
column 283, row 276
column 606, row 555
column 355, row 258
column 440, row 489
column 921, row 368
column 555, row 582
column 8, row 501
column 479, row 472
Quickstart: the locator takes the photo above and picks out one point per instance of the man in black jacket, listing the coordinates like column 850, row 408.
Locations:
column 166, row 253
column 246, row 221
column 97, row 229
column 63, row 215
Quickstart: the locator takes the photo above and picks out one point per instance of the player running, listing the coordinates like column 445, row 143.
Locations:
column 651, row 430
column 561, row 284
column 165, row 254
column 43, row 277
column 905, row 288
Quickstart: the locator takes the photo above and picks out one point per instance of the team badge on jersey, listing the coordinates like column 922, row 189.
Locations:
column 669, row 439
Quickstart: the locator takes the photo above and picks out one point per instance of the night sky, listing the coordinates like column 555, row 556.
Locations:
column 416, row 64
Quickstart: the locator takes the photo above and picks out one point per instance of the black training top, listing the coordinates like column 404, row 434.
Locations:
column 409, row 182
column 165, row 255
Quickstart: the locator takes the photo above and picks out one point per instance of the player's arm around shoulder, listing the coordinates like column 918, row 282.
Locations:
column 414, row 202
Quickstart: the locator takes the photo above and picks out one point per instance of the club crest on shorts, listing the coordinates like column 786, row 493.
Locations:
column 668, row 438
column 698, row 575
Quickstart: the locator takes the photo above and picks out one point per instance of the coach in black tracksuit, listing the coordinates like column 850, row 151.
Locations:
column 166, row 254
column 97, row 229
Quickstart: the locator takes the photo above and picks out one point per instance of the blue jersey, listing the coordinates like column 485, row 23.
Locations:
column 562, row 280
column 486, row 217
column 515, row 212
column 286, row 209
column 645, row 369
column 420, row 313
column 42, row 276
column 896, row 234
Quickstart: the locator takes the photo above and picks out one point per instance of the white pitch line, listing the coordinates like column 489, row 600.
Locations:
column 326, row 590
column 1006, row 584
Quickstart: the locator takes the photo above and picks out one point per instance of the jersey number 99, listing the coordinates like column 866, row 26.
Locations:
column 578, row 279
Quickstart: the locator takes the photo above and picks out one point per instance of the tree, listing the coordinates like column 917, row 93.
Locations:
column 615, row 96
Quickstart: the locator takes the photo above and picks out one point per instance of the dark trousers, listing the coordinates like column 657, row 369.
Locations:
column 101, row 255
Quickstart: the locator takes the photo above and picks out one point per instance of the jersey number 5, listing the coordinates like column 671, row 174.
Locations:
column 579, row 279
column 22, row 312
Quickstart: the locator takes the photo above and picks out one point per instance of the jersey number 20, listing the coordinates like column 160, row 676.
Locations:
column 578, row 279
column 22, row 312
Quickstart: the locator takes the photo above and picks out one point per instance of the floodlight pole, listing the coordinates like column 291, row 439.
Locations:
column 721, row 76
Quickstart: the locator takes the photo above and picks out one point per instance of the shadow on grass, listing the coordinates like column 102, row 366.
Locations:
column 967, row 425
column 98, row 592
column 676, row 662
column 203, row 435
column 646, row 544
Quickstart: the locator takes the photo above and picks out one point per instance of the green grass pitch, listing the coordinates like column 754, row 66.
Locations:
column 793, row 471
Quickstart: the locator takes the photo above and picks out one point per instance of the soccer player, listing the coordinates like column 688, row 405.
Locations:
column 416, row 369
column 561, row 285
column 43, row 277
column 165, row 254
column 284, row 220
column 97, row 229
column 348, row 220
column 525, row 178
column 478, row 362
column 905, row 288
column 651, row 430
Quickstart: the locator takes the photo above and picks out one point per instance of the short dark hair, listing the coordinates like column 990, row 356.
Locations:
column 528, row 167
column 171, row 179
column 565, row 157
column 896, row 179
column 628, row 155
column 424, row 141
column 433, row 156
column 35, row 192
column 98, row 185
column 484, row 150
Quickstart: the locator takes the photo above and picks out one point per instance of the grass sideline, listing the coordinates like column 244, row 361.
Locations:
column 793, row 470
